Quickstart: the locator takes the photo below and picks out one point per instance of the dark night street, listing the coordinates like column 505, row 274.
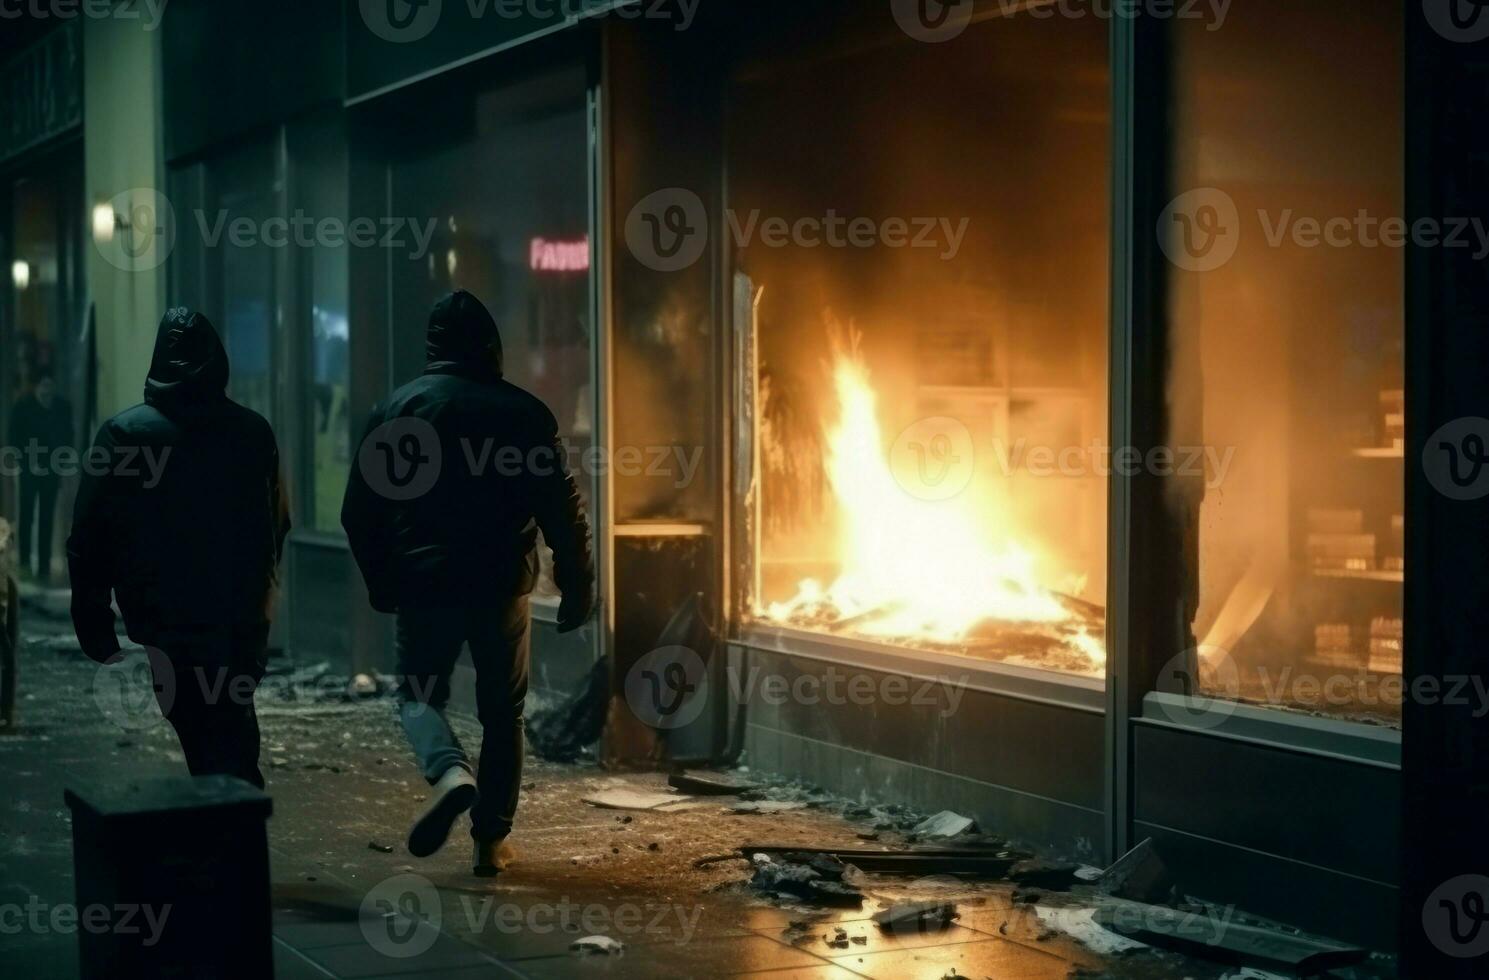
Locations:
column 932, row 489
column 344, row 788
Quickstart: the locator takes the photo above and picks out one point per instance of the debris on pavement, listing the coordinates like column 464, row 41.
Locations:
column 1139, row 875
column 632, row 799
column 945, row 824
column 373, row 845
column 707, row 783
column 566, row 731
column 1200, row 933
column 1036, row 873
column 816, row 878
column 602, row 945
column 978, row 862
column 917, row 916
column 766, row 806
column 1080, row 924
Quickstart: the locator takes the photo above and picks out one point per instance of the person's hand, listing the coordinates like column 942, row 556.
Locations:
column 574, row 610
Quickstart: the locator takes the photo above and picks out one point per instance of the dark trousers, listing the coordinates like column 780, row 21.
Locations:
column 429, row 642
column 38, row 494
column 205, row 687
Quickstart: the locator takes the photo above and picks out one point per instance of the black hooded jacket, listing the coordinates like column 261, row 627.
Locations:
column 181, row 512
column 457, row 471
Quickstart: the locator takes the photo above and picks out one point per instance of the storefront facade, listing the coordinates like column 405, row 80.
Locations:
column 43, row 316
column 1021, row 380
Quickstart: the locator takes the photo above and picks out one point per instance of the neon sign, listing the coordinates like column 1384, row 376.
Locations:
column 549, row 256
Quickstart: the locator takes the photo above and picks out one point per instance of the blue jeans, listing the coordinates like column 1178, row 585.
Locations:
column 429, row 643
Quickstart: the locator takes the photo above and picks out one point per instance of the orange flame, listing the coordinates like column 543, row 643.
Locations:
column 912, row 568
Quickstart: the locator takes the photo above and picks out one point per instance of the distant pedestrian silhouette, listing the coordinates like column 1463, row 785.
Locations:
column 40, row 424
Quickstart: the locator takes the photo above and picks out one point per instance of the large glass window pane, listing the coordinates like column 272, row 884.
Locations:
column 319, row 186
column 245, row 188
column 506, row 198
column 1287, row 321
column 925, row 228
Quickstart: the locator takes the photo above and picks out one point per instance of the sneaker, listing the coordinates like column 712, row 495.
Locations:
column 492, row 857
column 454, row 794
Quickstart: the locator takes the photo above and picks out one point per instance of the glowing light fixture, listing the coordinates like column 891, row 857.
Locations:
column 20, row 273
column 104, row 222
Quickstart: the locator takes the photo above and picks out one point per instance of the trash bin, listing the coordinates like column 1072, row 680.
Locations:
column 172, row 878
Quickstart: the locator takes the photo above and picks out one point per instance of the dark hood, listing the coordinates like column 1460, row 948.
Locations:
column 462, row 337
column 190, row 365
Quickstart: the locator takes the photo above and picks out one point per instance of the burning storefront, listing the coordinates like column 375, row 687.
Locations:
column 996, row 364
column 902, row 367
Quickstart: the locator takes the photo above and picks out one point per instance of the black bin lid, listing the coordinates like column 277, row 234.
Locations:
column 168, row 795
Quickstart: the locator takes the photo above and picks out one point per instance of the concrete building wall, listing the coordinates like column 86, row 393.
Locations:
column 123, row 167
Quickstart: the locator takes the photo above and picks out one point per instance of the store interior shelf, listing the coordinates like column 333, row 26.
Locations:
column 1372, row 575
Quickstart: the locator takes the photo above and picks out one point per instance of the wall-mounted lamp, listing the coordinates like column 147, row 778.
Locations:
column 105, row 221
column 20, row 273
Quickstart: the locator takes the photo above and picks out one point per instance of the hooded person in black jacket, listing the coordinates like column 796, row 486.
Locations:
column 457, row 472
column 181, row 516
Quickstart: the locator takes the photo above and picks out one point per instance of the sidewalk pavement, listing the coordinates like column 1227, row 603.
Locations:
column 349, row 901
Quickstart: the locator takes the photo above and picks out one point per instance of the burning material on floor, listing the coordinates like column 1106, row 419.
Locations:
column 915, row 560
